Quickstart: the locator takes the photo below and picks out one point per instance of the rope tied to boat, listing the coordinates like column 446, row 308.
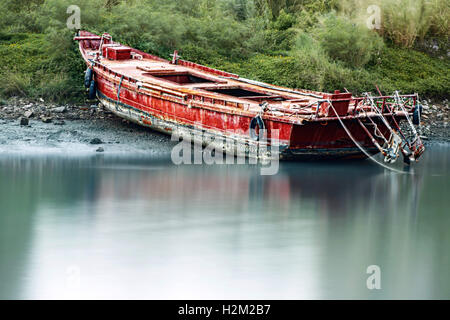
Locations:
column 416, row 147
column 120, row 87
column 366, row 153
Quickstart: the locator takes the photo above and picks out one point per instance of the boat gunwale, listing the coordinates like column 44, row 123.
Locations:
column 181, row 95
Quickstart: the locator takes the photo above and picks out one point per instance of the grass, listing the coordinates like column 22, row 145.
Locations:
column 401, row 69
column 28, row 70
column 412, row 71
column 299, row 44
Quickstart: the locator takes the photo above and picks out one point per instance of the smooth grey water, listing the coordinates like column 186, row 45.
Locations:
column 132, row 227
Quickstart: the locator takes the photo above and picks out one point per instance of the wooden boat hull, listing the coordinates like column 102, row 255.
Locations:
column 199, row 113
column 312, row 141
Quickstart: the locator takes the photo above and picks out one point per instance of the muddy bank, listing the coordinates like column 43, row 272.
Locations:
column 16, row 108
column 26, row 125
column 35, row 127
column 435, row 121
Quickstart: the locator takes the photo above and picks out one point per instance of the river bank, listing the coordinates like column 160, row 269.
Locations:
column 33, row 127
column 89, row 127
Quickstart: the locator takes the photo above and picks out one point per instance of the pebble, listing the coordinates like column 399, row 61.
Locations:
column 59, row 109
column 28, row 114
column 24, row 121
column 46, row 119
column 96, row 141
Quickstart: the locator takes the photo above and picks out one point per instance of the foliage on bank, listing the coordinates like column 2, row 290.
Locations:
column 319, row 45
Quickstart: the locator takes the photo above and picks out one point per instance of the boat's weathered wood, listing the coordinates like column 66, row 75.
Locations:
column 188, row 97
column 80, row 38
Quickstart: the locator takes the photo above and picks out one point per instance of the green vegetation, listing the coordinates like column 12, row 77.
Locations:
column 319, row 45
column 27, row 69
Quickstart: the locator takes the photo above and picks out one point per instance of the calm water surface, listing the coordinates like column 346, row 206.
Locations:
column 132, row 227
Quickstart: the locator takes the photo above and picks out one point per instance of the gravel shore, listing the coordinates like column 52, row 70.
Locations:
column 27, row 125
column 33, row 127
column 435, row 121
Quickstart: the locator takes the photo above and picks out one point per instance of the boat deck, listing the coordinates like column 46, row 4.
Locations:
column 190, row 80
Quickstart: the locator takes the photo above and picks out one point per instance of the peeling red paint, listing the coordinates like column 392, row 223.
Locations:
column 166, row 94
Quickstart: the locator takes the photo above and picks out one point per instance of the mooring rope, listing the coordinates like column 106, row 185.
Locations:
column 401, row 103
column 368, row 155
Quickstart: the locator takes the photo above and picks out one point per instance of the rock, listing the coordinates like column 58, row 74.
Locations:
column 23, row 121
column 28, row 114
column 46, row 119
column 59, row 109
column 60, row 123
column 100, row 149
column 96, row 141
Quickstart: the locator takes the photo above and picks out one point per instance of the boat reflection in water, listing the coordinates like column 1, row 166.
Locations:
column 115, row 227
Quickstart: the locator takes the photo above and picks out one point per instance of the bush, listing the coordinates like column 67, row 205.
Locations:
column 412, row 71
column 439, row 20
column 302, row 46
column 348, row 42
column 310, row 67
column 15, row 84
column 404, row 21
column 56, row 86
column 49, row 66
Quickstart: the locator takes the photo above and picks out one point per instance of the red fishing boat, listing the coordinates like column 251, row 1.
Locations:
column 198, row 101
